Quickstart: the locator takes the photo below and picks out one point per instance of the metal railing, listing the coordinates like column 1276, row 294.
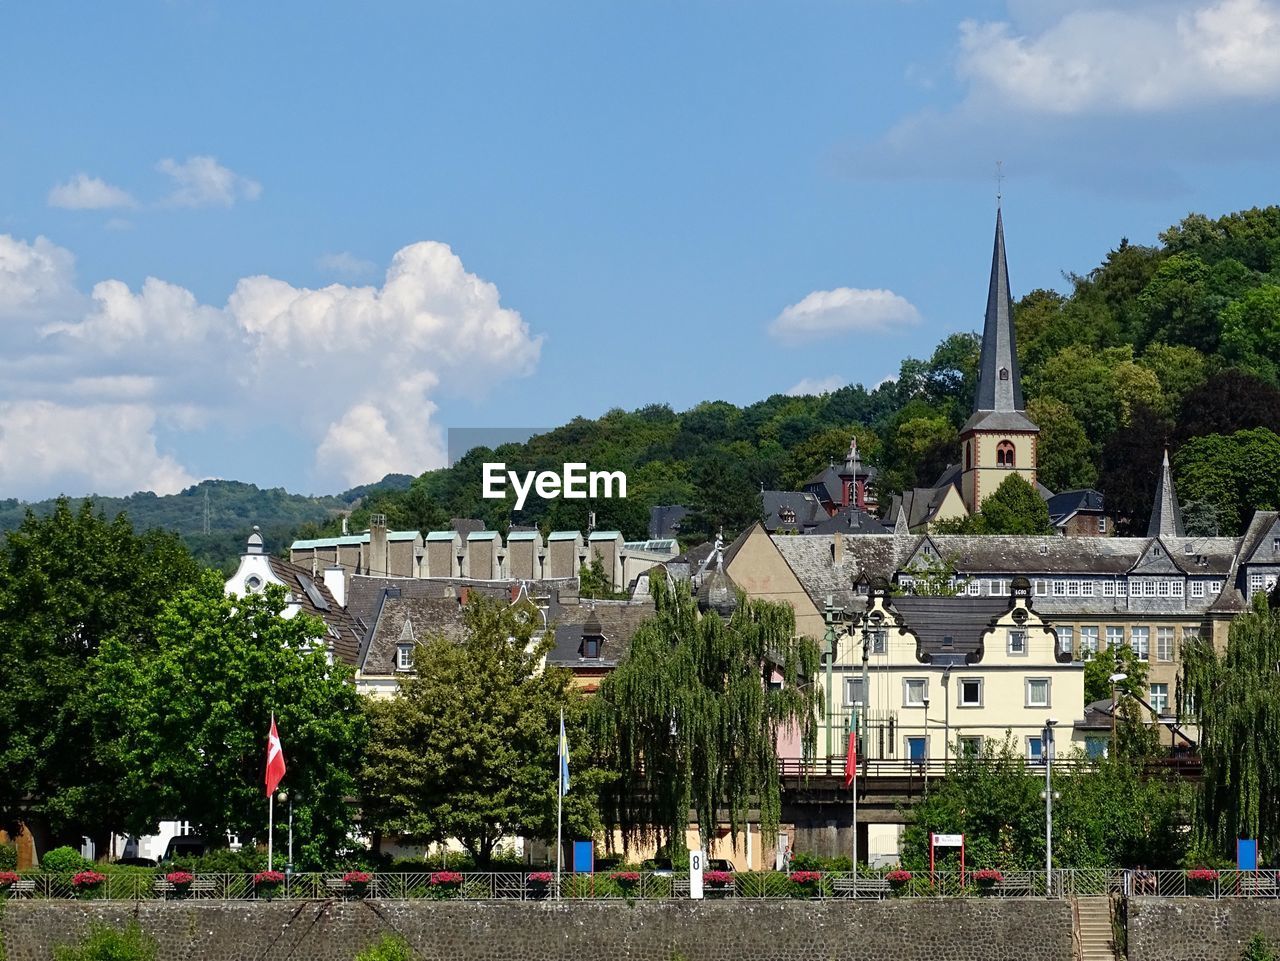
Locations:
column 905, row 768
column 649, row 886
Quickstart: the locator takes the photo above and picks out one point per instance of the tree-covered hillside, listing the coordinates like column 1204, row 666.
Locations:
column 233, row 508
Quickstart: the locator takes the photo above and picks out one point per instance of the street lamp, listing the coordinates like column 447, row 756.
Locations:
column 1046, row 748
column 284, row 798
column 924, row 757
column 1115, row 679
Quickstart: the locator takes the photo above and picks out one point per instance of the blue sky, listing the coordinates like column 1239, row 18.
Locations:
column 582, row 205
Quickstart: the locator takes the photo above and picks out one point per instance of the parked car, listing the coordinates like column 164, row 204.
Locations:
column 720, row 864
column 184, row 846
column 136, row 862
column 659, row 866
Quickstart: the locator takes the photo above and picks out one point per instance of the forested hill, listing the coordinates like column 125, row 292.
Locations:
column 1177, row 343
column 233, row 508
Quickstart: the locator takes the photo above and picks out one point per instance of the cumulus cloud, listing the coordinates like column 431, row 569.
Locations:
column 201, row 181
column 83, row 192
column 816, row 386
column 101, row 448
column 1115, row 96
column 1150, row 58
column 843, row 310
column 354, row 369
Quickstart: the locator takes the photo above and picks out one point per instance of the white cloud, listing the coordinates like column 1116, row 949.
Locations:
column 355, row 370
column 844, row 310
column 816, row 386
column 83, row 192
column 104, row 449
column 1152, row 57
column 347, row 266
column 201, row 181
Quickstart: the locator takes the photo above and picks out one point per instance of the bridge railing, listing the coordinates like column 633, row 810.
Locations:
column 652, row 886
column 907, row 769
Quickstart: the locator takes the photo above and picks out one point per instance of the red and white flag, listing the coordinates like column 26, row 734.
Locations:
column 851, row 758
column 275, row 759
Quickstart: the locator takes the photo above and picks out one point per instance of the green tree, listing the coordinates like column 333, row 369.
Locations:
column 593, row 581
column 1101, row 666
column 690, row 721
column 1015, row 508
column 1179, row 370
column 1064, row 454
column 1236, row 475
column 196, row 713
column 1251, row 332
column 70, row 583
column 1236, row 696
column 467, row 748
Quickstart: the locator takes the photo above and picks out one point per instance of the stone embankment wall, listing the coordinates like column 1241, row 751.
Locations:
column 1198, row 929
column 972, row 930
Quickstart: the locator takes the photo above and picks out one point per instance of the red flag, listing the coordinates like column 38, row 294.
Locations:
column 275, row 759
column 851, row 759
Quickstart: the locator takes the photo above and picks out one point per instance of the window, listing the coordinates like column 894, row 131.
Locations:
column 970, row 746
column 1102, row 525
column 1191, row 633
column 1122, row 588
column 1115, row 638
column 253, row 583
column 1037, row 692
column 1086, row 588
column 1164, row 588
column 1004, row 373
column 1164, row 643
column 1042, row 588
column 917, row 749
column 1059, row 588
column 878, row 641
column 1108, row 589
column 1215, row 587
column 853, row 691
column 1197, row 588
column 914, row 691
column 968, row 456
column 1160, row 698
column 1067, row 638
column 1004, row 454
column 1189, row 704
column 787, row 515
column 1275, row 545
column 975, row 588
column 1088, row 641
column 1141, row 642
column 1177, row 587
column 404, row 657
column 971, row 692
column 1017, row 642
column 591, row 647
column 1095, row 747
column 1035, row 748
column 1073, row 588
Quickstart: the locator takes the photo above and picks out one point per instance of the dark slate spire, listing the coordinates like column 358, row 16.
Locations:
column 1166, row 515
column 999, row 386
column 998, row 404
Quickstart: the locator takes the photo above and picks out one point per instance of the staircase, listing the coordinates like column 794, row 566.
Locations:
column 1093, row 929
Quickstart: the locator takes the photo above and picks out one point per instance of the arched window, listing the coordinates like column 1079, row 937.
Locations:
column 968, row 456
column 1004, row 454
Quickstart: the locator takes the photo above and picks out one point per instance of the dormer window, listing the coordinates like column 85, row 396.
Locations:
column 404, row 657
column 1004, row 454
column 787, row 515
column 253, row 583
column 591, row 647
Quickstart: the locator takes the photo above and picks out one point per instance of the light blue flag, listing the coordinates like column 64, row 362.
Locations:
column 564, row 760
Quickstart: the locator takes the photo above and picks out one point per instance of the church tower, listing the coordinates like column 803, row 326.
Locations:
column 997, row 440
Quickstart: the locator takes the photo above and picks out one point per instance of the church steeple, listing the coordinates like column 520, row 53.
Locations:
column 999, row 384
column 1166, row 515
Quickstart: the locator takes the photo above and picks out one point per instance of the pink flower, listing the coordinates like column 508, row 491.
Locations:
column 898, row 876
column 1202, row 874
column 718, row 877
column 805, row 877
column 446, row 878
column 357, row 877
column 8, row 879
column 87, row 879
column 540, row 877
column 626, row 877
column 263, row 878
column 988, row 876
column 179, row 878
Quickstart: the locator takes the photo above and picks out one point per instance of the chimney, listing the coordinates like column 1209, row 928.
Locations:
column 837, row 549
column 335, row 579
column 377, row 544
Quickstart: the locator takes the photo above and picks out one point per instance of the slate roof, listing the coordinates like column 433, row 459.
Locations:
column 963, row 619
column 1166, row 515
column 827, row 484
column 851, row 520
column 664, row 520
column 807, row 508
column 618, row 620
column 316, row 600
column 999, row 347
column 409, row 618
column 1064, row 506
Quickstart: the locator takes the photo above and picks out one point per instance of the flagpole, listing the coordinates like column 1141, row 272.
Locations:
column 271, row 816
column 559, row 803
column 856, row 733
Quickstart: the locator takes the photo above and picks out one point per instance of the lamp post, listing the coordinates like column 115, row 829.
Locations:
column 1115, row 679
column 284, row 798
column 1046, row 748
column 924, row 756
column 946, row 719
column 830, row 638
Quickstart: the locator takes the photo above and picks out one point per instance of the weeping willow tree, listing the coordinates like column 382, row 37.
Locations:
column 691, row 719
column 1237, row 700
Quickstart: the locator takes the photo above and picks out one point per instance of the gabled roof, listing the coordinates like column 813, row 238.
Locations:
column 827, row 484
column 1064, row 506
column 1155, row 559
column 618, row 622
column 665, row 519
column 807, row 508
column 315, row 599
column 1264, row 547
column 850, row 520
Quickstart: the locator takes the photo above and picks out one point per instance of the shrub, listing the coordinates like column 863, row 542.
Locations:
column 390, row 948
column 64, row 860
column 109, row 944
column 1258, row 949
column 225, row 861
column 8, row 857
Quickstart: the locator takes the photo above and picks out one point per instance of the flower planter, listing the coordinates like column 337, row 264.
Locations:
column 988, row 880
column 88, row 884
column 267, row 884
column 7, row 880
column 445, row 884
column 899, row 883
column 181, row 881
column 1201, row 881
column 805, row 884
column 357, row 883
column 538, row 885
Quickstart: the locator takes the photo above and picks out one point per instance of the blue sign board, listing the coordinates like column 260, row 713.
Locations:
column 583, row 857
column 1246, row 854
